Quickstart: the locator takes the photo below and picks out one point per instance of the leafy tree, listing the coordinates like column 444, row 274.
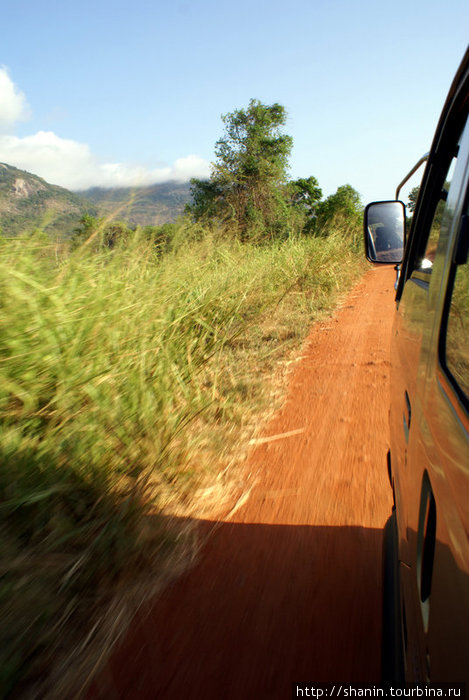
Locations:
column 305, row 194
column 413, row 196
column 246, row 184
column 342, row 208
column 207, row 197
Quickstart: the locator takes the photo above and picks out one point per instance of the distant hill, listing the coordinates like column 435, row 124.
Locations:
column 153, row 205
column 28, row 202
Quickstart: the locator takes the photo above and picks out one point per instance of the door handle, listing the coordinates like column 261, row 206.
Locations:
column 407, row 416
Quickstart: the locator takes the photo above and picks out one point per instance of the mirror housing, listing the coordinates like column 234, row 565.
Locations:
column 384, row 229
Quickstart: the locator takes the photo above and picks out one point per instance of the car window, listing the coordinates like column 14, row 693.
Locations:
column 457, row 323
column 457, row 333
column 425, row 261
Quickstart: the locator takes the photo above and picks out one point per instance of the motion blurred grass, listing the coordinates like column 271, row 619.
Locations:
column 127, row 380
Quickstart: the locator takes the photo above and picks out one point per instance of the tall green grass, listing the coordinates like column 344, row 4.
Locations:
column 125, row 376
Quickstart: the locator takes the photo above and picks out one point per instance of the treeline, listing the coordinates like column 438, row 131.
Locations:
column 248, row 194
column 249, row 190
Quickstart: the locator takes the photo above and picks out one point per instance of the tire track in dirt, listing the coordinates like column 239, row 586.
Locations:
column 288, row 587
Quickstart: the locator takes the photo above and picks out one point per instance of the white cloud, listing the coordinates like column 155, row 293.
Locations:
column 13, row 105
column 72, row 164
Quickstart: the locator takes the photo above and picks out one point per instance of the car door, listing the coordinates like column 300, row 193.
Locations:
column 429, row 417
column 438, row 527
column 415, row 321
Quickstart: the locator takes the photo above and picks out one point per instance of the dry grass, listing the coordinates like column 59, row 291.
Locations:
column 130, row 386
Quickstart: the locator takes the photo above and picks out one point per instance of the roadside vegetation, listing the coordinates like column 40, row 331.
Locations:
column 135, row 365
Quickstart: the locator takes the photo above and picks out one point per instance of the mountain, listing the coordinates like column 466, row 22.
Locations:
column 28, row 202
column 153, row 205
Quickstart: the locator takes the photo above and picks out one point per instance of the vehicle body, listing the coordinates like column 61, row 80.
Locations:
column 426, row 587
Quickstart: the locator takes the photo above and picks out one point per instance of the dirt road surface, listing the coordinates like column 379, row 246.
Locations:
column 288, row 587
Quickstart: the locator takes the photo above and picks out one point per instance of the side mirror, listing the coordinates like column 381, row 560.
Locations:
column 384, row 224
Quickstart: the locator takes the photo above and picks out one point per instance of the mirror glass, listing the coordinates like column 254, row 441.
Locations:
column 384, row 231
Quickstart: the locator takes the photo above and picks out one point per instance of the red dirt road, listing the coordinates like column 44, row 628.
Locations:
column 288, row 587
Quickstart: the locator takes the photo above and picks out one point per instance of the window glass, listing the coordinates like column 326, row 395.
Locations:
column 457, row 331
column 425, row 263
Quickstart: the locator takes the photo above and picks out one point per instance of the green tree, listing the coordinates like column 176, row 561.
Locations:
column 413, row 196
column 305, row 195
column 344, row 208
column 207, row 199
column 246, row 187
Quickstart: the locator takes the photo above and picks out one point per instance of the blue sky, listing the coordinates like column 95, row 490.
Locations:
column 113, row 93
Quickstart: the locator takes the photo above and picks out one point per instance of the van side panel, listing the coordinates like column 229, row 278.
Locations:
column 431, row 464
